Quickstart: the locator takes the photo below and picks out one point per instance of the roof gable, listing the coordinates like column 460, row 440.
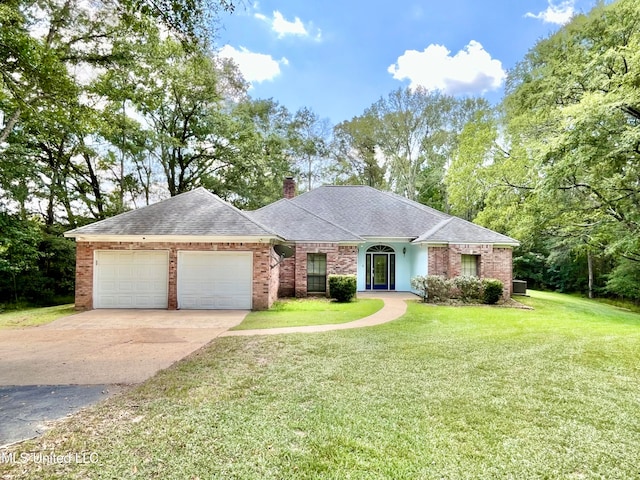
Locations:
column 198, row 213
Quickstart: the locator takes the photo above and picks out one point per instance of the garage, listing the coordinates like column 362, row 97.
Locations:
column 131, row 279
column 215, row 280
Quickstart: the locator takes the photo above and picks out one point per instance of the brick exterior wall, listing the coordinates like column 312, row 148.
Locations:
column 265, row 278
column 341, row 260
column 495, row 262
column 287, row 286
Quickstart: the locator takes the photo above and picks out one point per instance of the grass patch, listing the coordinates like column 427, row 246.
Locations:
column 31, row 317
column 444, row 392
column 310, row 311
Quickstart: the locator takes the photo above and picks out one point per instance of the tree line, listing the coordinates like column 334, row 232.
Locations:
column 115, row 105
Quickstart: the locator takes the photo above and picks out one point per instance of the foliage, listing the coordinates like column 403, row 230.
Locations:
column 558, row 168
column 491, row 290
column 432, row 288
column 624, row 281
column 355, row 154
column 342, row 287
column 438, row 289
column 419, row 283
column 467, row 288
column 38, row 267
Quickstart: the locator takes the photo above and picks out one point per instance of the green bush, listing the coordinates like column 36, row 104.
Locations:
column 420, row 285
column 468, row 289
column 342, row 287
column 432, row 288
column 491, row 290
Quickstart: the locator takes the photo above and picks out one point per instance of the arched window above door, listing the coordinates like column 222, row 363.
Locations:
column 380, row 249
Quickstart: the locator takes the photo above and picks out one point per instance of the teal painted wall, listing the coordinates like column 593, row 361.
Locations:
column 408, row 265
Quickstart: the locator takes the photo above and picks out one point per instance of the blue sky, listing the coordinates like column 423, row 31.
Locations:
column 339, row 57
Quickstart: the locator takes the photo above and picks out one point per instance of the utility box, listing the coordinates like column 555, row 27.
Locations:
column 519, row 287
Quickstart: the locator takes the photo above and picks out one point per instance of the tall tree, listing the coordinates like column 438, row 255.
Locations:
column 355, row 151
column 572, row 128
column 412, row 136
column 310, row 137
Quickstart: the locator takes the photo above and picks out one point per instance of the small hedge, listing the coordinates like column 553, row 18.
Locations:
column 342, row 287
column 437, row 289
column 491, row 290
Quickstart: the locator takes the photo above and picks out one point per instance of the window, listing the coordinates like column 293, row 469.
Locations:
column 316, row 272
column 469, row 265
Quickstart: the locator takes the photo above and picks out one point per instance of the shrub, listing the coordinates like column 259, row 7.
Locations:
column 491, row 290
column 342, row 287
column 432, row 288
column 468, row 288
column 419, row 284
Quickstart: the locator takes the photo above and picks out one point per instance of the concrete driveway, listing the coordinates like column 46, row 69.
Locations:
column 107, row 346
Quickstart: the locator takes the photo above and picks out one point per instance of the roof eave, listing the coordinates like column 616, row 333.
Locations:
column 85, row 237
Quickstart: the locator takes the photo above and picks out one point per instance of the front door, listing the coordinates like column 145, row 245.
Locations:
column 380, row 271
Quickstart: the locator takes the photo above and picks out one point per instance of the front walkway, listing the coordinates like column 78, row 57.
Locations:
column 395, row 306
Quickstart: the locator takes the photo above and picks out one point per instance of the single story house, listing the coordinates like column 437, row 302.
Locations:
column 196, row 251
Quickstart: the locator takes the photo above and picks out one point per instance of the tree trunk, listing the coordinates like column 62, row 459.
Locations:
column 590, row 267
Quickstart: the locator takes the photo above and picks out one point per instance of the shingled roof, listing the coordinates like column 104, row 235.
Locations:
column 337, row 214
column 298, row 224
column 195, row 213
column 371, row 213
column 368, row 212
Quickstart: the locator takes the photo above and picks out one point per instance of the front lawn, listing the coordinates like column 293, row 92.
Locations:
column 443, row 393
column 31, row 317
column 310, row 311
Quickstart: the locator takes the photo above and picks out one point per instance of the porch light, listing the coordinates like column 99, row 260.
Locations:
column 404, row 250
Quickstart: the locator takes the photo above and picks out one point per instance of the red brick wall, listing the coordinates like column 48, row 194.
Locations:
column 341, row 260
column 288, row 277
column 264, row 284
column 495, row 262
column 438, row 261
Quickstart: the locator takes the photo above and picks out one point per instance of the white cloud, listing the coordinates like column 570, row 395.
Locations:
column 283, row 27
column 255, row 67
column 470, row 71
column 558, row 14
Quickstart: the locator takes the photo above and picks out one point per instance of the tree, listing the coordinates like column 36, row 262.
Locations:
column 310, row 138
column 260, row 158
column 355, row 152
column 467, row 180
column 572, row 130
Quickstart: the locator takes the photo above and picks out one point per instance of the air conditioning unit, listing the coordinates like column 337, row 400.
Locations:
column 519, row 287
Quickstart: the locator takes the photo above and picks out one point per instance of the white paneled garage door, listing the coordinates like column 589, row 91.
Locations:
column 215, row 280
column 131, row 279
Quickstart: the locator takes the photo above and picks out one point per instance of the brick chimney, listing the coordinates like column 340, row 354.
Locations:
column 289, row 188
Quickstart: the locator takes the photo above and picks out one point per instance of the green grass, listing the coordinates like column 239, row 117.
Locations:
column 310, row 311
column 443, row 393
column 31, row 317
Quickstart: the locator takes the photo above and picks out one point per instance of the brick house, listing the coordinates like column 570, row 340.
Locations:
column 195, row 251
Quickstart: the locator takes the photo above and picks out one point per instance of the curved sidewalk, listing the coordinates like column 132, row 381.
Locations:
column 394, row 307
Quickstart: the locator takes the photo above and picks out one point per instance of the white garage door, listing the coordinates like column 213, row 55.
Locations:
column 131, row 279
column 215, row 280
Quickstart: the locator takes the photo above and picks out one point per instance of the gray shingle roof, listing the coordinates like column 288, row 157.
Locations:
column 457, row 230
column 198, row 212
column 296, row 223
column 326, row 214
column 368, row 212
